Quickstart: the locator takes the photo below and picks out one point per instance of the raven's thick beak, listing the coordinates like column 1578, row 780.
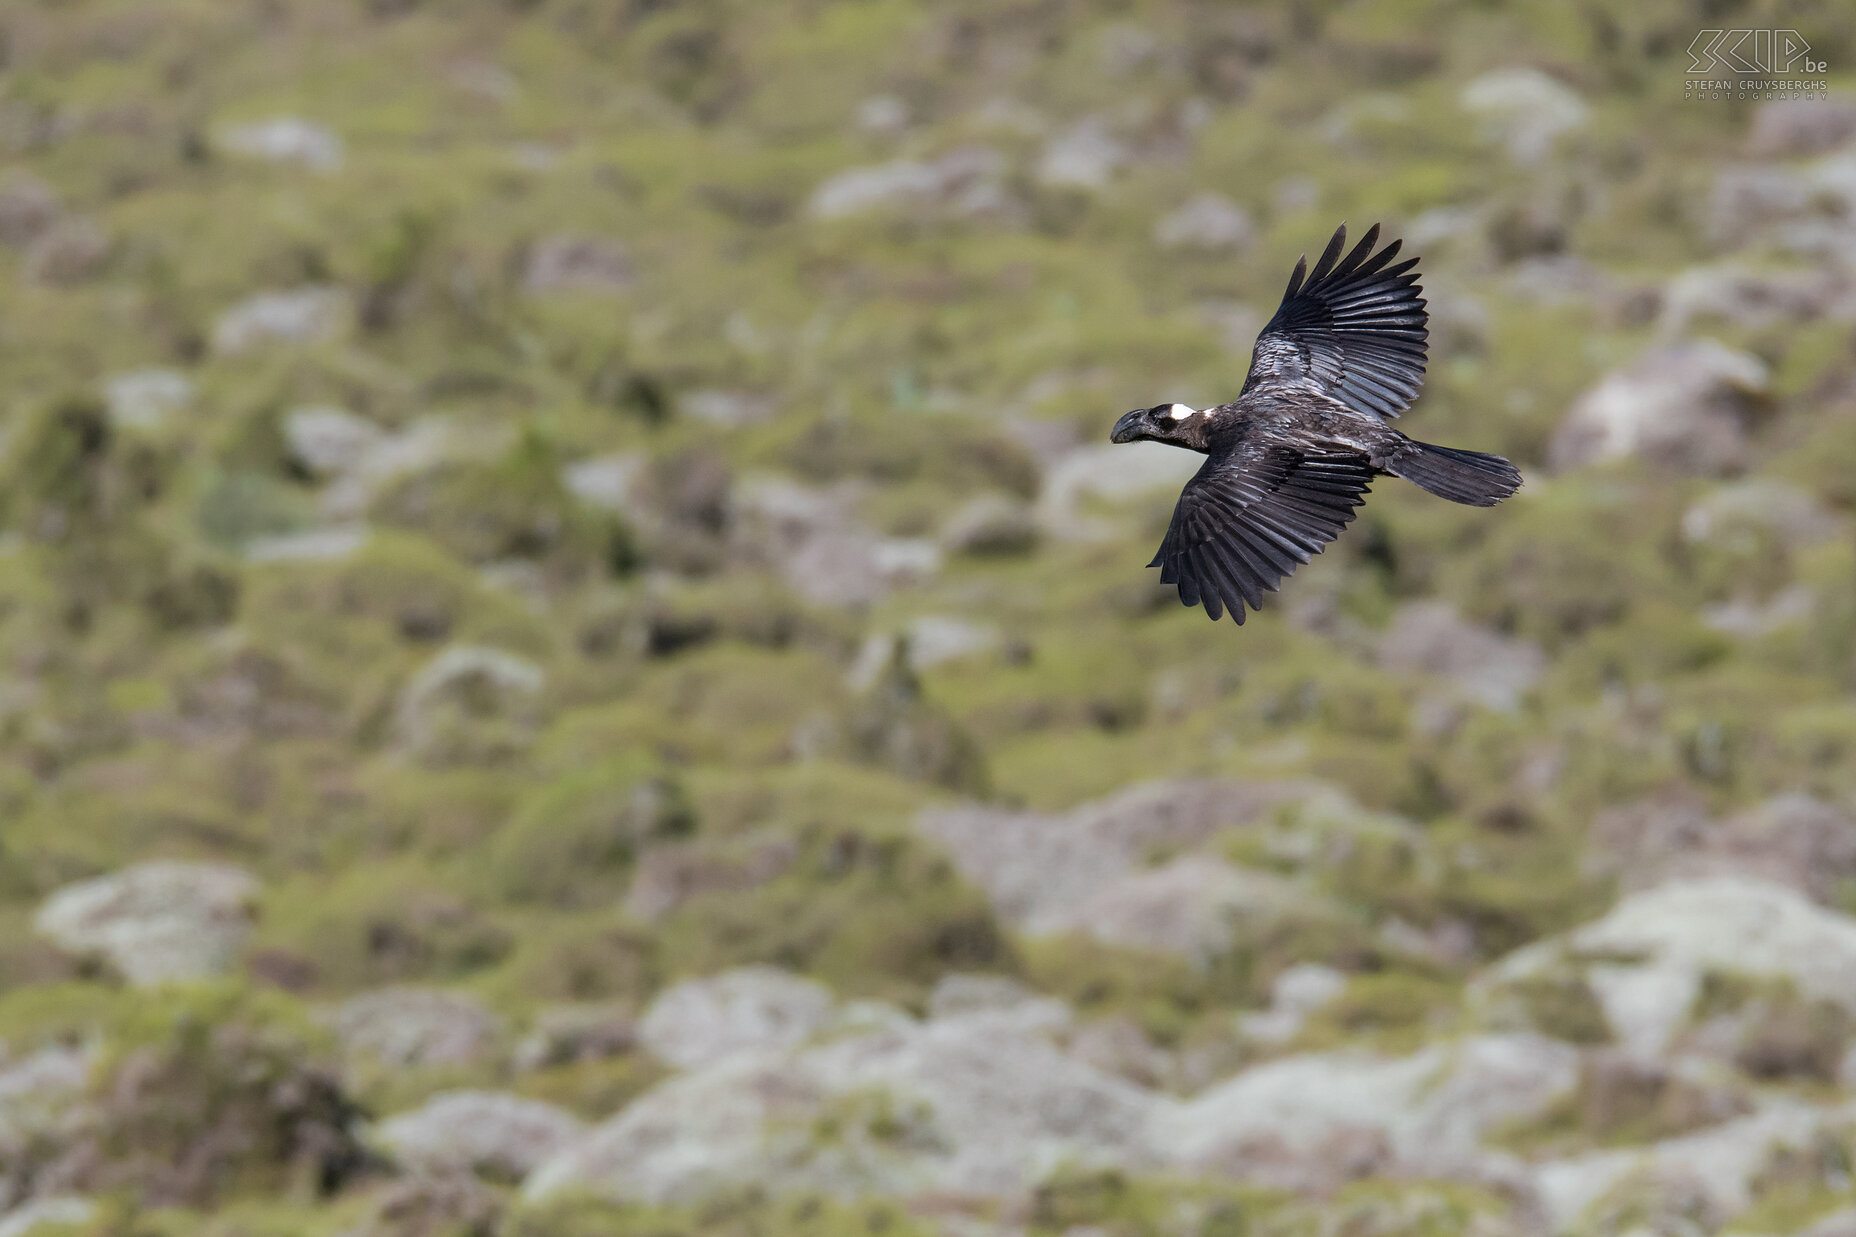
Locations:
column 1129, row 427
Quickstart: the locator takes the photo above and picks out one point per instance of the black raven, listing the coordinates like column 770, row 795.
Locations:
column 1291, row 458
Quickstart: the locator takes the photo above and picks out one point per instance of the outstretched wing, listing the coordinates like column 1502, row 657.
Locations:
column 1250, row 516
column 1355, row 330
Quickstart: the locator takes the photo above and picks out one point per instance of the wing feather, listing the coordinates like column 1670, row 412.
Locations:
column 1355, row 328
column 1250, row 517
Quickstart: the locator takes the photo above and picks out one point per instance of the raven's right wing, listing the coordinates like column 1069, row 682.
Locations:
column 1354, row 331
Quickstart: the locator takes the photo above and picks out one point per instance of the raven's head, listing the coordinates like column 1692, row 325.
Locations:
column 1174, row 424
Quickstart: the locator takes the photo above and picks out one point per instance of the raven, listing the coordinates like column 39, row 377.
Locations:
column 1291, row 458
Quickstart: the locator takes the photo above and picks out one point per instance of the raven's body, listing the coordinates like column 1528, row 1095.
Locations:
column 1290, row 459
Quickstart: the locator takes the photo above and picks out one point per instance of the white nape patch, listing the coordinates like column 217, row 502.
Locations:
column 1179, row 412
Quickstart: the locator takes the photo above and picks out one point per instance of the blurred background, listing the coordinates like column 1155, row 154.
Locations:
column 577, row 662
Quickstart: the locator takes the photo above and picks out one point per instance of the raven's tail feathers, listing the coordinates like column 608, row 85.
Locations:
column 1468, row 477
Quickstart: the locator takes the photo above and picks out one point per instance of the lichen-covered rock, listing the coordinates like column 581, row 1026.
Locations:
column 1647, row 960
column 1483, row 666
column 492, row 1133
column 1041, row 871
column 146, row 398
column 1318, row 1121
column 964, row 181
column 411, row 1027
column 469, row 703
column 1785, row 128
column 300, row 316
column 1205, row 221
column 1524, row 109
column 327, row 440
column 1687, row 408
column 953, row 1106
column 1794, row 839
column 701, row 1021
column 285, row 139
column 156, row 922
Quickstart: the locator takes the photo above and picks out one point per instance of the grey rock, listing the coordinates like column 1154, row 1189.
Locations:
column 997, row 1000
column 492, row 1133
column 1042, row 871
column 1686, row 408
column 1711, row 1174
column 409, row 1027
column 989, row 526
column 1753, row 298
column 69, row 252
column 568, row 1034
column 285, row 139
column 962, row 182
column 1084, row 156
column 1786, row 128
column 1803, row 208
column 1793, row 839
column 883, row 114
column 146, row 398
column 1296, row 993
column 606, row 482
column 729, row 409
column 299, row 316
column 469, row 703
column 1525, row 110
column 1114, row 473
column 28, row 207
column 1205, row 221
column 1316, row 1121
column 1644, row 961
column 576, row 264
column 667, row 876
column 751, row 1009
column 58, row 1211
column 327, row 440
column 1492, row 670
column 156, row 922
column 312, row 545
column 1736, row 515
column 954, row 1106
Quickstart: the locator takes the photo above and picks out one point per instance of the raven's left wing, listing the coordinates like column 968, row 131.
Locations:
column 1250, row 516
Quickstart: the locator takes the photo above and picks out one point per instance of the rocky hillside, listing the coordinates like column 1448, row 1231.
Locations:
column 575, row 662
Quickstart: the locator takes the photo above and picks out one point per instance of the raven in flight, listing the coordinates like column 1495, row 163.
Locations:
column 1292, row 457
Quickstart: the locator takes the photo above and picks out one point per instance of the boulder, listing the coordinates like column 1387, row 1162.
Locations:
column 962, row 182
column 990, row 526
column 883, row 114
column 728, row 409
column 1793, row 839
column 285, row 139
column 145, row 398
column 1710, row 1175
column 1787, row 128
column 1040, row 869
column 299, row 316
column 450, row 1205
column 1205, row 221
column 42, row 1099
column 576, row 264
column 1685, row 408
column 491, row 1133
column 1753, row 298
column 1525, row 110
column 405, row 1027
column 1479, row 665
column 1109, row 472
column 156, row 922
column 59, row 1212
column 1296, row 993
column 328, row 441
column 1084, row 156
column 756, row 1008
column 1737, row 515
column 1803, row 208
column 606, row 482
column 928, row 640
column 996, row 1000
column 1316, row 1121
column 1645, row 961
column 570, row 1034
column 28, row 207
column 667, row 876
column 69, row 252
column 1189, row 907
column 954, row 1106
column 469, row 703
